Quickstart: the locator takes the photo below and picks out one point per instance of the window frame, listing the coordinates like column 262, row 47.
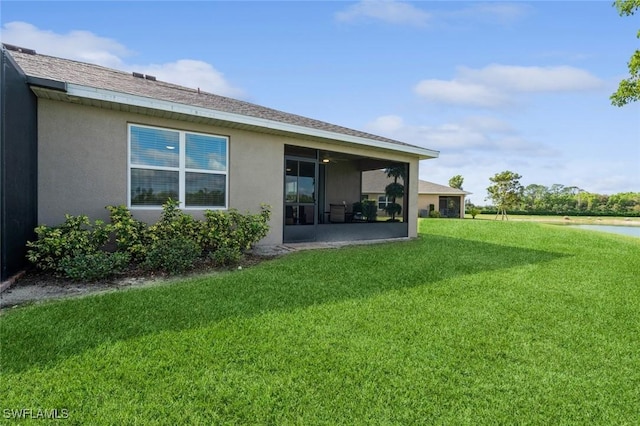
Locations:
column 386, row 202
column 182, row 168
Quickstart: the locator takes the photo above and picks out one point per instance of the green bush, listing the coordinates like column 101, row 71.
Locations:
column 434, row 213
column 94, row 266
column 474, row 211
column 173, row 255
column 174, row 223
column 370, row 210
column 131, row 235
column 77, row 236
column 232, row 230
column 393, row 209
column 172, row 244
column 225, row 256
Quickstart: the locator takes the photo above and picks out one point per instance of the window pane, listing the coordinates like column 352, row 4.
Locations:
column 155, row 147
column 299, row 215
column 205, row 189
column 206, row 152
column 291, row 183
column 306, row 182
column 153, row 187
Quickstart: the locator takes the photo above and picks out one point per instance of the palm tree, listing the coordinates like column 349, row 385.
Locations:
column 395, row 189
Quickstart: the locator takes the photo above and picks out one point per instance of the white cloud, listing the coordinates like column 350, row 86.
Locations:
column 531, row 79
column 79, row 45
column 387, row 124
column 390, row 11
column 194, row 74
column 496, row 85
column 473, row 134
column 85, row 46
column 487, row 123
column 494, row 12
column 460, row 93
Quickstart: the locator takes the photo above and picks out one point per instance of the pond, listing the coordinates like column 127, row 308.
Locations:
column 632, row 231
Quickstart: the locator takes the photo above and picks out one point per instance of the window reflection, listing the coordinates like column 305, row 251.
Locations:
column 300, row 182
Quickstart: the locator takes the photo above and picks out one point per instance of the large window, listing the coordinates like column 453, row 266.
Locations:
column 189, row 167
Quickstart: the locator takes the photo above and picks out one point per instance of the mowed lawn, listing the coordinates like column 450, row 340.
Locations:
column 475, row 322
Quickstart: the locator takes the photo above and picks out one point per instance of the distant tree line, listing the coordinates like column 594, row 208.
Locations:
column 508, row 196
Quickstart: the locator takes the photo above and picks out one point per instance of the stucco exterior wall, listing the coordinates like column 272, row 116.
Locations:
column 343, row 184
column 82, row 164
column 83, row 161
column 425, row 199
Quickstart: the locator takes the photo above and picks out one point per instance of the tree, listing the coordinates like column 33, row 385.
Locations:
column 395, row 190
column 629, row 88
column 456, row 182
column 534, row 196
column 505, row 192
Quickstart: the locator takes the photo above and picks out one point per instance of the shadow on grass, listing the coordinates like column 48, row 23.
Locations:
column 42, row 335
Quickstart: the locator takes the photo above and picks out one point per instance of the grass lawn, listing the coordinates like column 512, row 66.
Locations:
column 568, row 220
column 475, row 322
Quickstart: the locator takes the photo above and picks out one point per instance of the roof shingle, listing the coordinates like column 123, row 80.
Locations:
column 99, row 77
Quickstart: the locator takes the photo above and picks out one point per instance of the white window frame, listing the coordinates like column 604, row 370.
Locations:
column 181, row 169
column 386, row 202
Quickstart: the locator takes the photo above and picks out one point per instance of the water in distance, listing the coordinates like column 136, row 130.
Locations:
column 632, row 231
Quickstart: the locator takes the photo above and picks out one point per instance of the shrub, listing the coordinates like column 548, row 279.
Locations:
column 225, row 256
column 174, row 223
column 474, row 211
column 131, row 235
column 77, row 236
column 94, row 266
column 434, row 213
column 392, row 209
column 232, row 230
column 172, row 244
column 173, row 255
column 370, row 210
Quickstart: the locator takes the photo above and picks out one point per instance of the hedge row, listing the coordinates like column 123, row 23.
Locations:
column 84, row 250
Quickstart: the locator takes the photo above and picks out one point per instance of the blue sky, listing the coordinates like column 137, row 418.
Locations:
column 521, row 86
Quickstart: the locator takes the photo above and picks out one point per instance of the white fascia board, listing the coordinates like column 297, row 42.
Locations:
column 158, row 104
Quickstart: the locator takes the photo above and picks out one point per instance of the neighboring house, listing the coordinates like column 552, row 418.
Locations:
column 77, row 137
column 447, row 201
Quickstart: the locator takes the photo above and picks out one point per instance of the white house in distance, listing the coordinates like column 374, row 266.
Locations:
column 447, row 201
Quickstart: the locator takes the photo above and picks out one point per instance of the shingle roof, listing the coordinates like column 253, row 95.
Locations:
column 99, row 77
column 374, row 182
column 425, row 187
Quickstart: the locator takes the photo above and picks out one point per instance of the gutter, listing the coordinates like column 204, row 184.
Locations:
column 47, row 83
column 174, row 107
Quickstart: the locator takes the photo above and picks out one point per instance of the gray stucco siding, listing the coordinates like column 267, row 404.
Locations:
column 83, row 160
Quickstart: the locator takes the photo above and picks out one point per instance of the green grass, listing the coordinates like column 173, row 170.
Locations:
column 475, row 322
column 580, row 220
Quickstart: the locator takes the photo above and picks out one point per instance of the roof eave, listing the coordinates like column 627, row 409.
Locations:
column 87, row 92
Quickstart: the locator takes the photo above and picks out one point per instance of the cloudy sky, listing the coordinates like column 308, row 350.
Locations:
column 494, row 86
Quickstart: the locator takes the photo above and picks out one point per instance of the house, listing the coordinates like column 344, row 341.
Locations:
column 77, row 137
column 447, row 201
